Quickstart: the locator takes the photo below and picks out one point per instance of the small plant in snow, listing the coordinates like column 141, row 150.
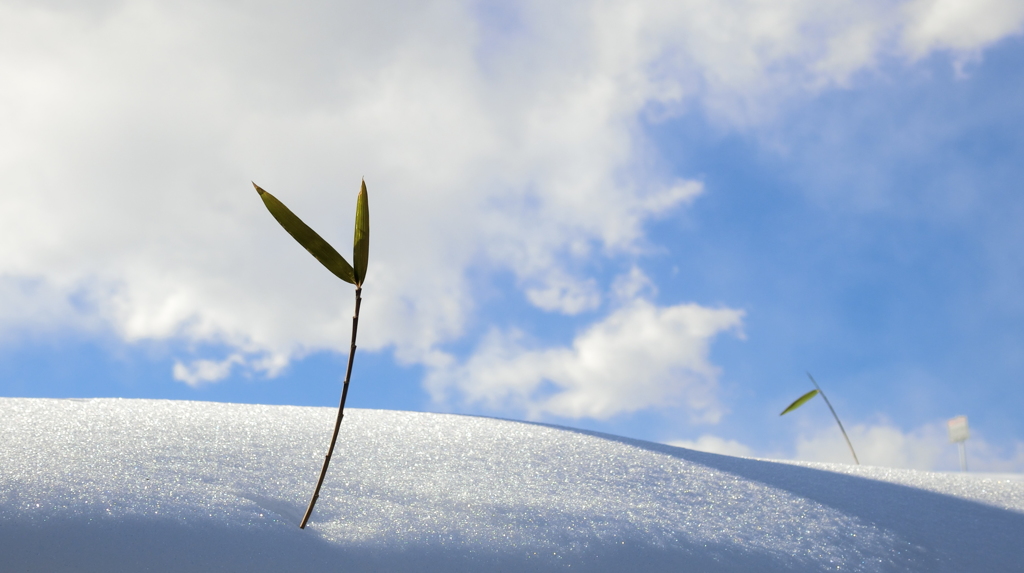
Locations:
column 803, row 399
column 354, row 274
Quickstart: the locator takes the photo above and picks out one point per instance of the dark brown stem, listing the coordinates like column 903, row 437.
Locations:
column 341, row 412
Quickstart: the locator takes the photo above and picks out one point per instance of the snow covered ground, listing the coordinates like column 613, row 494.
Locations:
column 147, row 485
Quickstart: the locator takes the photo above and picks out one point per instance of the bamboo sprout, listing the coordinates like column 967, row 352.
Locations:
column 806, row 397
column 334, row 262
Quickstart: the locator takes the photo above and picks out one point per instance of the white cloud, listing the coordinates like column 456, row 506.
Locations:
column 34, row 305
column 204, row 371
column 632, row 285
column 960, row 26
column 926, row 447
column 640, row 356
column 881, row 444
column 129, row 132
column 715, row 445
column 876, row 445
column 565, row 294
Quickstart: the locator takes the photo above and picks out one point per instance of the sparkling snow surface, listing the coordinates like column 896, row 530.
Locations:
column 145, row 485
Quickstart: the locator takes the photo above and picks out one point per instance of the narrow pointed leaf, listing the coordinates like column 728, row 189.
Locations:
column 800, row 401
column 361, row 247
column 319, row 248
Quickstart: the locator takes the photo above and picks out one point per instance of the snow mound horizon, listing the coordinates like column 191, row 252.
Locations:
column 155, row 485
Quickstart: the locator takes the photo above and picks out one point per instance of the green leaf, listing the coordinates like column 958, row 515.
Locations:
column 800, row 401
column 361, row 247
column 319, row 248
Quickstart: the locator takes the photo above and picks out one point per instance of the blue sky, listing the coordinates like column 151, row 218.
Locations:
column 640, row 218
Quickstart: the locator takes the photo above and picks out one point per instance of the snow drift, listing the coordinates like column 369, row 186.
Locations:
column 145, row 485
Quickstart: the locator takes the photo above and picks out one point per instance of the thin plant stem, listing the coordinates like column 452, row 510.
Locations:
column 341, row 412
column 822, row 392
